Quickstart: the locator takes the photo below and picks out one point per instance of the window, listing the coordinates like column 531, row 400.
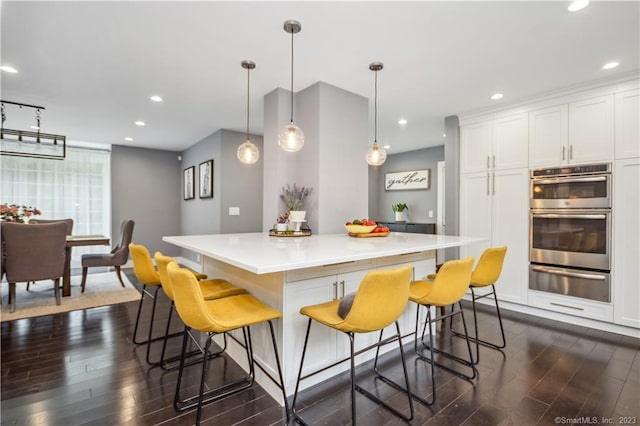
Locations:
column 78, row 187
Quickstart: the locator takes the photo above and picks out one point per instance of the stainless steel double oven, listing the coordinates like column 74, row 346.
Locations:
column 570, row 231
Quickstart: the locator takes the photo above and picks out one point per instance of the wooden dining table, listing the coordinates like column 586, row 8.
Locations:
column 78, row 241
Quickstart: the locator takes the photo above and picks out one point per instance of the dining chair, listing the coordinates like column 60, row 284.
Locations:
column 69, row 223
column 116, row 258
column 33, row 253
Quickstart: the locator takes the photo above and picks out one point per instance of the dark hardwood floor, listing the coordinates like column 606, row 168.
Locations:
column 81, row 368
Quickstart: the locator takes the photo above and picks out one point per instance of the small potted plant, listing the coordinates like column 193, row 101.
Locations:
column 399, row 209
column 281, row 224
column 294, row 198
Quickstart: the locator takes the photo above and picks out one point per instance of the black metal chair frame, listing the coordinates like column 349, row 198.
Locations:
column 433, row 350
column 354, row 386
column 477, row 339
column 229, row 388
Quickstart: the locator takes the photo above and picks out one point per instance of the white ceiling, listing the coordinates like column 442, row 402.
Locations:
column 93, row 65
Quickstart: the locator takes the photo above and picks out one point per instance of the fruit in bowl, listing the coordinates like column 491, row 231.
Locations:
column 358, row 226
column 360, row 229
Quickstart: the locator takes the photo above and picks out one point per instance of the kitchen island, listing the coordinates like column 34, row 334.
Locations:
column 290, row 272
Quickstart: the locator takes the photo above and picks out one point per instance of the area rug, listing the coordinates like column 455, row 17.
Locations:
column 102, row 289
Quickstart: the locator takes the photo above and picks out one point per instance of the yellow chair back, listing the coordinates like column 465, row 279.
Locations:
column 188, row 299
column 380, row 299
column 489, row 267
column 163, row 261
column 143, row 265
column 450, row 284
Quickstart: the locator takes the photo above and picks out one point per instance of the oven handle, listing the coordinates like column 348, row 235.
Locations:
column 569, row 216
column 568, row 274
column 568, row 179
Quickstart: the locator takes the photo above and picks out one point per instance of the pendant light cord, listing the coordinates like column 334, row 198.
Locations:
column 291, row 76
column 248, row 71
column 375, row 103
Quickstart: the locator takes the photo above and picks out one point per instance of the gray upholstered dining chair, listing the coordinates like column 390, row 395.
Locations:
column 33, row 253
column 69, row 223
column 116, row 258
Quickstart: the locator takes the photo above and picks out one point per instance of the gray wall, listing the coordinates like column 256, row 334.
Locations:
column 419, row 201
column 146, row 187
column 241, row 185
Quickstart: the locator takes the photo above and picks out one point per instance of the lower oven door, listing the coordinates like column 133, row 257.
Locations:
column 571, row 282
column 572, row 238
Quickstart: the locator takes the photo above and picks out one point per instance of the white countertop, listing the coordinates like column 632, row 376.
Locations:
column 261, row 254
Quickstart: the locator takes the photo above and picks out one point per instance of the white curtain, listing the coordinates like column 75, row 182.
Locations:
column 78, row 187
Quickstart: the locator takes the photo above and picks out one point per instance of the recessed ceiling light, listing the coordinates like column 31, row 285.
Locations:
column 444, row 135
column 140, row 123
column 402, row 121
column 578, row 5
column 128, row 139
column 610, row 65
column 386, row 147
column 8, row 68
column 497, row 96
column 156, row 98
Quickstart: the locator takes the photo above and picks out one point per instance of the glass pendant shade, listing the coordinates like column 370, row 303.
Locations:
column 291, row 138
column 248, row 153
column 376, row 156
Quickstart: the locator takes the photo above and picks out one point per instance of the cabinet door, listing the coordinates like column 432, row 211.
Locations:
column 626, row 237
column 475, row 211
column 548, row 136
column 349, row 283
column 627, row 111
column 510, row 227
column 475, row 147
column 510, row 142
column 319, row 354
column 591, row 130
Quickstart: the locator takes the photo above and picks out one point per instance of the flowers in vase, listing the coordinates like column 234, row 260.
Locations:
column 17, row 213
column 294, row 197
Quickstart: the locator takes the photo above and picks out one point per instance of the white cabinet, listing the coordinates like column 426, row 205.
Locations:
column 627, row 116
column 548, row 136
column 626, row 241
column 578, row 132
column 496, row 206
column 497, row 144
column 591, row 130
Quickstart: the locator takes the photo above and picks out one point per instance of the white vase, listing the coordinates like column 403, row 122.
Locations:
column 297, row 215
column 281, row 227
column 399, row 216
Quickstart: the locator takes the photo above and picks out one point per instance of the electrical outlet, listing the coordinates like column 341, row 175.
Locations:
column 430, row 213
column 234, row 211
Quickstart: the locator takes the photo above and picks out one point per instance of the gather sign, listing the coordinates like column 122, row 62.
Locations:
column 412, row 179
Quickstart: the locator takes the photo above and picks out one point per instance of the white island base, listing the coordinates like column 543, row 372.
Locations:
column 289, row 273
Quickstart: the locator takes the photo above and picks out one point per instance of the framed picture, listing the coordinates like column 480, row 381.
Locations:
column 206, row 179
column 188, row 183
column 412, row 179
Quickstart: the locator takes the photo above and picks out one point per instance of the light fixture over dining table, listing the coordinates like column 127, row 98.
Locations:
column 291, row 138
column 248, row 153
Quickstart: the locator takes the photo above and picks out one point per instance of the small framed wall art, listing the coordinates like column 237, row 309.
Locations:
column 188, row 183
column 206, row 179
column 412, row 179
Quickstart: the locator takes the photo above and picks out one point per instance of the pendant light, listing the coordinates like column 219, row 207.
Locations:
column 247, row 152
column 376, row 155
column 291, row 138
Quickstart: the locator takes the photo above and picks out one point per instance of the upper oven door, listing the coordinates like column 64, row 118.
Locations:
column 572, row 238
column 571, row 192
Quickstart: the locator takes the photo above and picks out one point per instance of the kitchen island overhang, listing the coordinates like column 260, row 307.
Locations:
column 290, row 272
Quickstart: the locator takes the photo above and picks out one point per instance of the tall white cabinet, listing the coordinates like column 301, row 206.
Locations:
column 494, row 196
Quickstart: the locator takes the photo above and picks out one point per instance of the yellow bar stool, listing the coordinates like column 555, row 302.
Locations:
column 381, row 298
column 148, row 276
column 447, row 288
column 215, row 317
column 486, row 274
column 211, row 289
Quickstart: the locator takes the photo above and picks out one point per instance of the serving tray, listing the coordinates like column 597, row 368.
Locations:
column 370, row 234
column 301, row 233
